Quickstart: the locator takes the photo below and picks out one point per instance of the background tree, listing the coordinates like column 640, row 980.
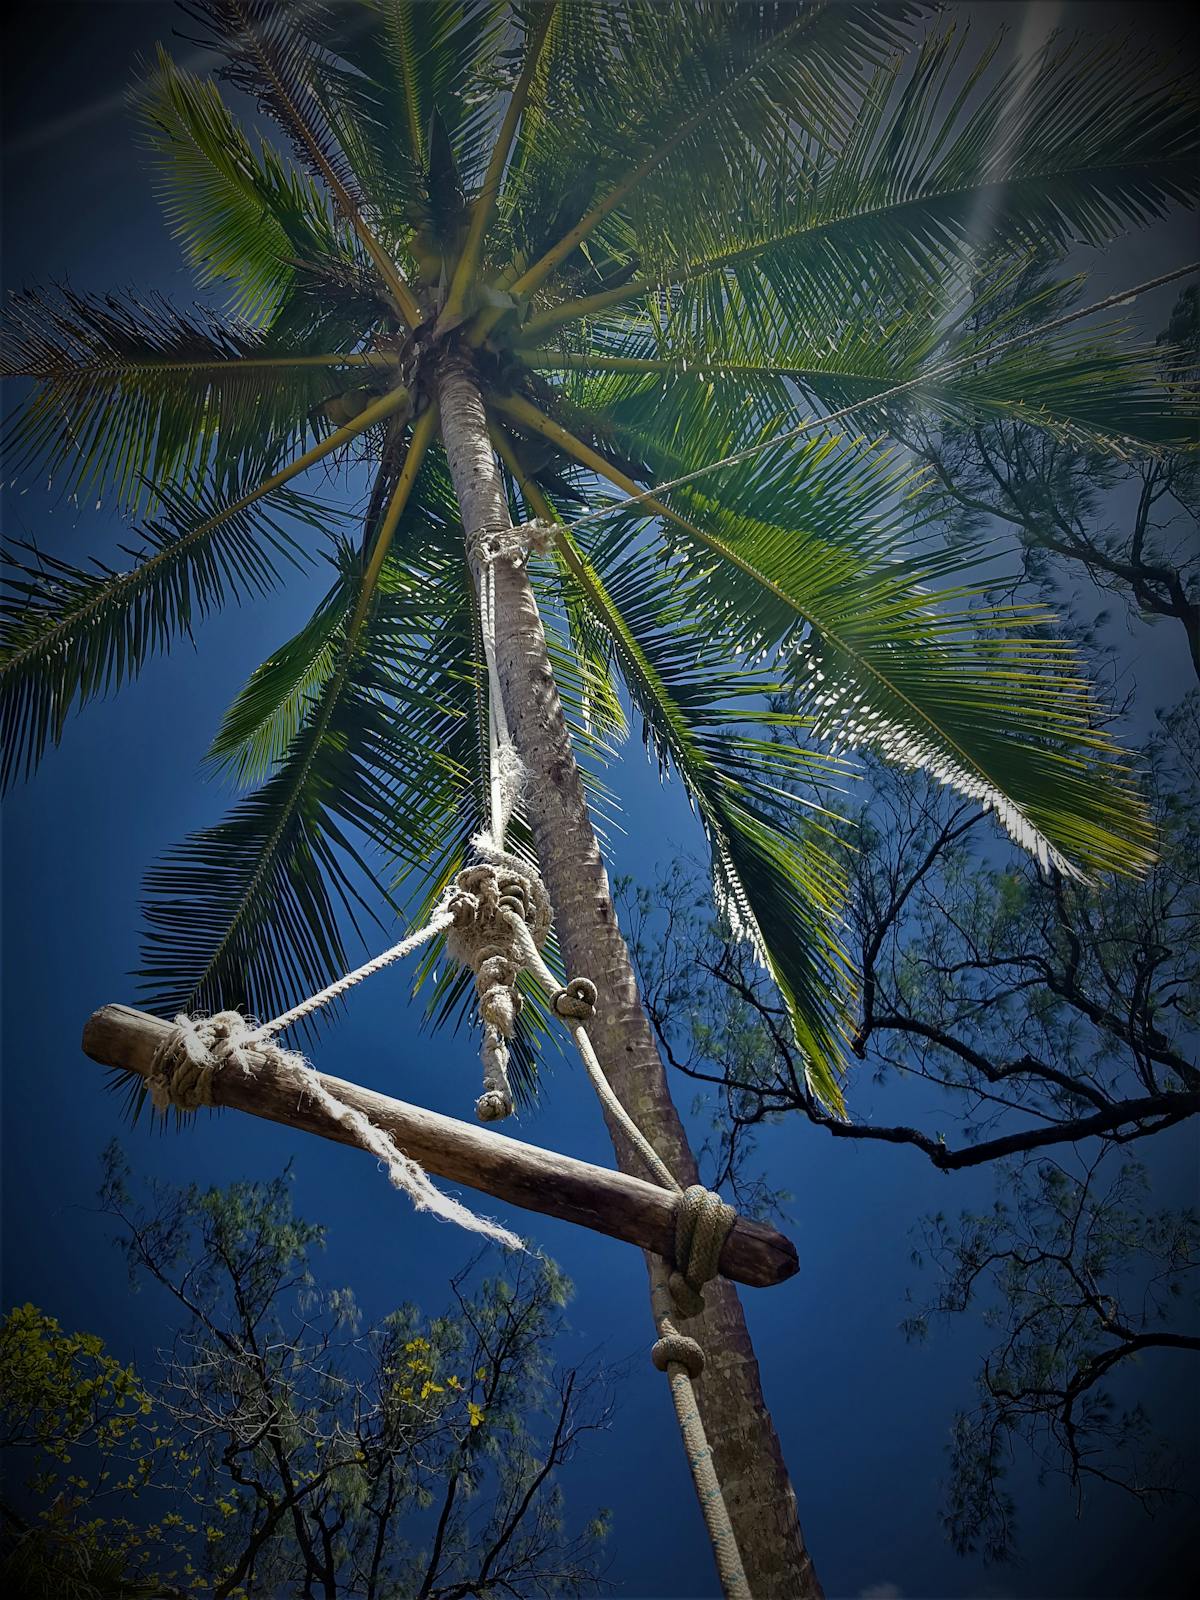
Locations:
column 485, row 239
column 1011, row 1019
column 278, row 1447
column 1129, row 525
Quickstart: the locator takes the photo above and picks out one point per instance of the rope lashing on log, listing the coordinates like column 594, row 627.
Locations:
column 190, row 1057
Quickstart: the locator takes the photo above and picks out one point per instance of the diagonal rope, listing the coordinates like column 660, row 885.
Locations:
column 1120, row 298
column 438, row 923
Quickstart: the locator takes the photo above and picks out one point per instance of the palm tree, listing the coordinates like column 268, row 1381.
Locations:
column 519, row 255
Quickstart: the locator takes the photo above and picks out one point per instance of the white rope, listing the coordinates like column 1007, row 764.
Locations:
column 505, row 771
column 438, row 923
column 200, row 1047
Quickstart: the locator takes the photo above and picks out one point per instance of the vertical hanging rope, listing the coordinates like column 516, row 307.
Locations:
column 702, row 1219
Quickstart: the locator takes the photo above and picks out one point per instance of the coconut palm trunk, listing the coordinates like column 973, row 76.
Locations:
column 746, row 1450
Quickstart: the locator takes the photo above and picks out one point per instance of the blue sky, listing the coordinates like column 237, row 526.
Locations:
column 862, row 1415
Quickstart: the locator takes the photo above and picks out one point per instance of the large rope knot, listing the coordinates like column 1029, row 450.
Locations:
column 510, row 543
column 501, row 915
column 702, row 1224
column 198, row 1047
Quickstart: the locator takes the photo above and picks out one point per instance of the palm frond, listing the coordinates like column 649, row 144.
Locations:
column 891, row 648
column 128, row 394
column 263, row 722
column 272, row 57
column 247, row 912
column 726, row 93
column 947, row 163
column 245, row 219
column 394, row 65
column 68, row 634
column 708, row 717
column 1086, row 388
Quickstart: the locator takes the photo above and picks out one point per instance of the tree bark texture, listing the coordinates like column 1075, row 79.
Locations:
column 745, row 1446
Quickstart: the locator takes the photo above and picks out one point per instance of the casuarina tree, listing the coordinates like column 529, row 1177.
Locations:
column 521, row 256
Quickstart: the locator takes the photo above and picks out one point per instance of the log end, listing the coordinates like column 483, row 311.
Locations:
column 120, row 1036
column 763, row 1255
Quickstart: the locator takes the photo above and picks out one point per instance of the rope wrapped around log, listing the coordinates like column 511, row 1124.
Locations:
column 198, row 1048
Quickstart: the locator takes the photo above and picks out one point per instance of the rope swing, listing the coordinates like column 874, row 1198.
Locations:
column 496, row 916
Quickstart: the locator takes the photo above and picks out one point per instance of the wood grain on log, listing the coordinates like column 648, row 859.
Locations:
column 508, row 1169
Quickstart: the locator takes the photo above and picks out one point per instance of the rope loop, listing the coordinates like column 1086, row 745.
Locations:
column 577, row 1000
column 702, row 1224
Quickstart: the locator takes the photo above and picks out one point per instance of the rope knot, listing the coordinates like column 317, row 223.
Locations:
column 501, row 917
column 576, row 1001
column 513, row 543
column 679, row 1348
column 493, row 1106
column 185, row 1063
column 702, row 1224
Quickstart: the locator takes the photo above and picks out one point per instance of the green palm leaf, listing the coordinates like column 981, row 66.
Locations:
column 707, row 714
column 246, row 913
column 938, row 169
column 68, row 634
column 726, row 93
column 245, row 218
column 262, row 723
column 128, row 394
column 901, row 656
column 1084, row 388
column 889, row 647
column 390, row 68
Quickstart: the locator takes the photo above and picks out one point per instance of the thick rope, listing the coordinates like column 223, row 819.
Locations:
column 502, row 916
column 438, row 923
column 198, row 1049
column 682, row 1360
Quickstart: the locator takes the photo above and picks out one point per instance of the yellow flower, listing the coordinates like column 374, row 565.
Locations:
column 428, row 1388
column 452, row 1382
column 482, row 1374
column 475, row 1413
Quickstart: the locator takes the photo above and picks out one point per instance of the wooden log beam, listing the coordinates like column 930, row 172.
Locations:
column 522, row 1174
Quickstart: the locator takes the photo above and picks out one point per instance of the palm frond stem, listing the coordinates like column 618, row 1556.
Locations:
column 422, row 433
column 485, row 201
column 379, row 409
